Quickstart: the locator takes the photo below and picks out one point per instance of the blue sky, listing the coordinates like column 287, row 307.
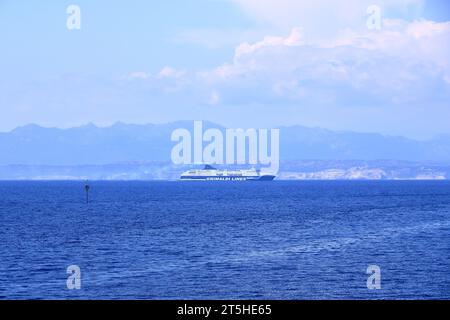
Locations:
column 251, row 63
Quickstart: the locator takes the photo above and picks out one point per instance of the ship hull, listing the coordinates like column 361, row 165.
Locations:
column 228, row 178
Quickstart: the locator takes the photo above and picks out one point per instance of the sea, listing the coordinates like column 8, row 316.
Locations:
column 290, row 240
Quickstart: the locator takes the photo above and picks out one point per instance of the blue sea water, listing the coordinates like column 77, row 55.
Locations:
column 195, row 240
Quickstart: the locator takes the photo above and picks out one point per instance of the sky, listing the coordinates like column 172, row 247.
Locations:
column 240, row 63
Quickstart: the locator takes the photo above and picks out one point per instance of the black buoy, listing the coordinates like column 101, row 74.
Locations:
column 86, row 188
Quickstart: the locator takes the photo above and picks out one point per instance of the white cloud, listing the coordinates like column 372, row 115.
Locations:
column 401, row 66
column 214, row 98
column 447, row 79
column 169, row 72
column 139, row 75
column 324, row 15
column 360, row 79
column 212, row 38
column 294, row 39
column 405, row 62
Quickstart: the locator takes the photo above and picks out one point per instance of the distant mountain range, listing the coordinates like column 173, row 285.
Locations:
column 119, row 143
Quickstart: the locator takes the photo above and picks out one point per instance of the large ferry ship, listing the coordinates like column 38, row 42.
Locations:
column 209, row 173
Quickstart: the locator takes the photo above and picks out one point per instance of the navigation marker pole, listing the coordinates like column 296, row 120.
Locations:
column 87, row 187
